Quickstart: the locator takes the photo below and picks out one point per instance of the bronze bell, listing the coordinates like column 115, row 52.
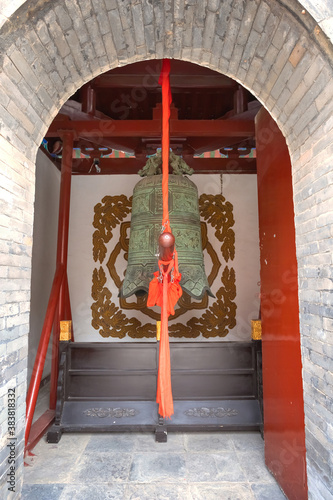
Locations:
column 146, row 228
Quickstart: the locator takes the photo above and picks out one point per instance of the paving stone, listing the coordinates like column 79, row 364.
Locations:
column 202, row 467
column 221, row 491
column 209, row 443
column 246, row 441
column 159, row 491
column 42, row 491
column 157, row 467
column 102, row 468
column 50, row 468
column 267, row 492
column 145, row 442
column 253, row 464
column 124, row 443
column 93, row 491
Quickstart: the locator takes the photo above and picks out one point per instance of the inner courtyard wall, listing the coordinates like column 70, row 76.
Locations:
column 44, row 251
column 50, row 49
column 88, row 191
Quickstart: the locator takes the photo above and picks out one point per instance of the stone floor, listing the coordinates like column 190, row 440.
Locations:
column 191, row 466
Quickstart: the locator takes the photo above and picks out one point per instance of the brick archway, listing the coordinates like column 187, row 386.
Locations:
column 281, row 55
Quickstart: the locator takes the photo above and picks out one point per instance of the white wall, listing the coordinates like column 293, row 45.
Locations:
column 87, row 191
column 43, row 251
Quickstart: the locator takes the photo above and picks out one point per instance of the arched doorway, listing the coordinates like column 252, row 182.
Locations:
column 288, row 67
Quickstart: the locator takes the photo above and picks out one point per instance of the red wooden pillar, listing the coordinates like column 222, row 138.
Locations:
column 62, row 254
column 282, row 366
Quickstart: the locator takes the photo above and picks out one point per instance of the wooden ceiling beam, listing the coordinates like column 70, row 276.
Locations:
column 152, row 128
column 131, row 166
column 150, row 81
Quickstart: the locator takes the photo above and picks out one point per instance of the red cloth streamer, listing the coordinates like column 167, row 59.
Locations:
column 164, row 289
column 164, row 81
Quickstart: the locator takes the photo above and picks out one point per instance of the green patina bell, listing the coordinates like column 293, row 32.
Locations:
column 146, row 223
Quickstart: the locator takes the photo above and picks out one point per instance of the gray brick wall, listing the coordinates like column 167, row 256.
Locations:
column 50, row 49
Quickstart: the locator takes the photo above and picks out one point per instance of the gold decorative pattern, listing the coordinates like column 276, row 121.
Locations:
column 256, row 331
column 108, row 214
column 65, row 330
column 219, row 213
column 216, row 321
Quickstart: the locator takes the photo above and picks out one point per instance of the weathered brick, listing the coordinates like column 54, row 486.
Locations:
column 110, row 4
column 86, row 8
column 249, row 49
column 93, row 30
column 116, row 29
column 124, row 8
column 209, row 30
column 43, row 32
column 280, row 84
column 138, row 25
column 261, row 17
column 200, row 13
column 56, row 34
column 223, row 18
column 25, row 70
column 63, row 17
column 26, row 50
column 230, row 38
column 189, row 19
column 265, row 39
column 213, row 5
column 247, row 21
column 281, row 33
column 102, row 19
column 238, row 9
column 148, row 12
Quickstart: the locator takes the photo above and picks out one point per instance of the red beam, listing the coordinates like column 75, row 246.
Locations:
column 128, row 166
column 211, row 128
column 62, row 251
column 150, row 81
column 38, row 429
column 152, row 128
column 222, row 165
column 37, row 371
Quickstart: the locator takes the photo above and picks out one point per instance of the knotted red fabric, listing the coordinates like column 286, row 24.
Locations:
column 164, row 289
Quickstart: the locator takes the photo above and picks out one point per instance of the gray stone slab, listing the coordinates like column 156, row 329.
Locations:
column 202, row 467
column 111, row 443
column 253, row 464
column 221, row 491
column 159, row 491
column 145, row 442
column 92, row 491
column 102, row 468
column 52, row 467
column 267, row 492
column 209, row 442
column 42, row 491
column 75, row 442
column 247, row 441
column 156, row 467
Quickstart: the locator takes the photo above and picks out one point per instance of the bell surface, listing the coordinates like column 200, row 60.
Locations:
column 146, row 222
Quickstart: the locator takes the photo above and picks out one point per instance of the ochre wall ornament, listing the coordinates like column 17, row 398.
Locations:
column 111, row 321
